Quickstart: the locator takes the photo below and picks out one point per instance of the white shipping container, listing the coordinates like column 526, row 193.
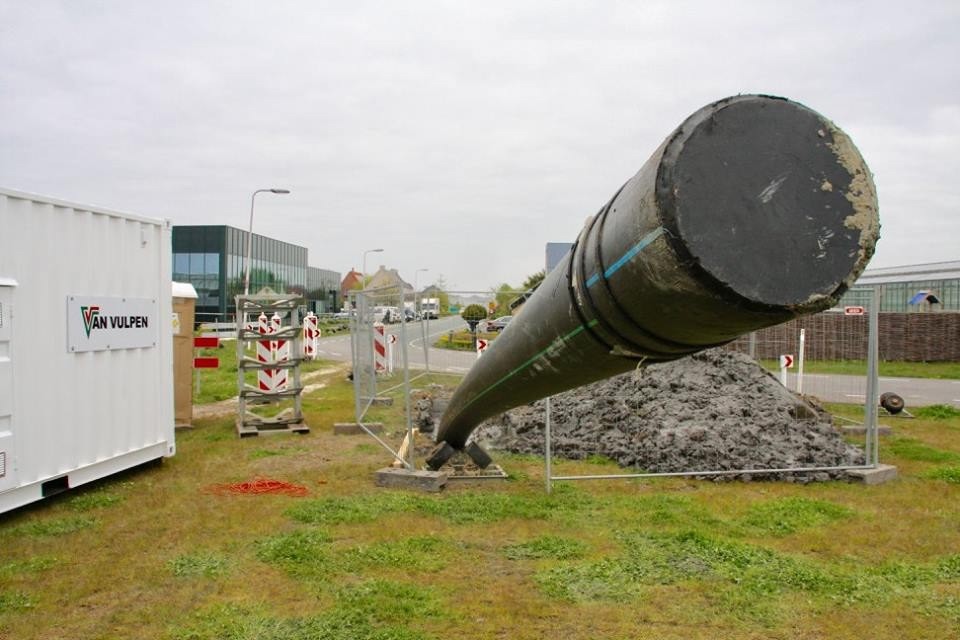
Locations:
column 86, row 355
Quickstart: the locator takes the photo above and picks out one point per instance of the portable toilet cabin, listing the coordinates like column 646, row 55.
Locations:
column 86, row 357
column 184, row 310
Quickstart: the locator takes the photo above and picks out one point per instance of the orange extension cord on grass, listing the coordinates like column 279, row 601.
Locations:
column 258, row 487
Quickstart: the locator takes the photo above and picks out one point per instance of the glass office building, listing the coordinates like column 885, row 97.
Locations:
column 323, row 290
column 909, row 288
column 211, row 258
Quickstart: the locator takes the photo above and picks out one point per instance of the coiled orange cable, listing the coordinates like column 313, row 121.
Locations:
column 259, row 486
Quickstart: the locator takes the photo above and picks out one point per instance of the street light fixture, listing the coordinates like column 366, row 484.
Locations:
column 364, row 274
column 416, row 296
column 246, row 268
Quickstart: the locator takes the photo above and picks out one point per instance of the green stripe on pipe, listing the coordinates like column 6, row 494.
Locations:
column 556, row 343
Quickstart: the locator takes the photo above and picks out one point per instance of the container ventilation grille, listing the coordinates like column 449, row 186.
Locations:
column 3, row 464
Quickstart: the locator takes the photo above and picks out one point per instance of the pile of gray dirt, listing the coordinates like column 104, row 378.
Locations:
column 716, row 410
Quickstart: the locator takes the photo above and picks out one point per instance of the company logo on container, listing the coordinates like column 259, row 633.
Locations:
column 93, row 320
column 89, row 317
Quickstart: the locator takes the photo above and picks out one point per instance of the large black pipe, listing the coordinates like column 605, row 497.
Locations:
column 753, row 211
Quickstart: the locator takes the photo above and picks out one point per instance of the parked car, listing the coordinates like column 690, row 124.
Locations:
column 499, row 324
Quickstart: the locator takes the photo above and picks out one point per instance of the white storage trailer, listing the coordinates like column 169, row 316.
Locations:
column 86, row 354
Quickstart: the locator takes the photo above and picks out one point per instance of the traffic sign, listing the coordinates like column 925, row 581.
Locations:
column 786, row 362
column 392, row 338
column 203, row 342
column 206, row 363
column 854, row 311
column 482, row 345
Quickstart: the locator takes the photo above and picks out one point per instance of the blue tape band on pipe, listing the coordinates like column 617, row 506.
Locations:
column 627, row 257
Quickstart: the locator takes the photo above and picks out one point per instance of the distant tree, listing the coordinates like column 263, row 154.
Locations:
column 503, row 296
column 473, row 314
column 439, row 290
column 534, row 280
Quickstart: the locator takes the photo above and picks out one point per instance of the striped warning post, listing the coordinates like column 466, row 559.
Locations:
column 264, row 355
column 281, row 353
column 379, row 348
column 311, row 333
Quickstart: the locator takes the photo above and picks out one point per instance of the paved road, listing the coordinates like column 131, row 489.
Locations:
column 916, row 392
column 829, row 388
column 441, row 360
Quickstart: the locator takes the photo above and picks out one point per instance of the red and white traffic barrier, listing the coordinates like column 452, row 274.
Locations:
column 311, row 334
column 379, row 348
column 281, row 353
column 264, row 354
column 391, row 340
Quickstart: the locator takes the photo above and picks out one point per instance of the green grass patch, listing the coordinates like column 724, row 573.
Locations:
column 947, row 474
column 599, row 460
column 93, row 499
column 29, row 566
column 937, row 412
column 299, row 553
column 384, row 601
column 910, row 449
column 310, row 554
column 948, row 569
column 606, row 580
column 749, row 580
column 221, row 383
column 477, row 507
column 201, row 564
column 889, row 369
column 354, row 509
column 459, row 508
column 785, row 516
column 368, row 448
column 665, row 510
column 463, row 340
column 258, row 454
column 552, row 547
column 423, row 553
column 235, row 622
column 53, row 527
column 13, row 601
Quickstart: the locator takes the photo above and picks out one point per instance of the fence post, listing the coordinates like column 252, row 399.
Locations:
column 547, row 449
column 803, row 335
column 870, row 403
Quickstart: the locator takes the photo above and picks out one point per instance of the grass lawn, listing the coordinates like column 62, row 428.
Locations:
column 158, row 552
column 221, row 383
column 887, row 369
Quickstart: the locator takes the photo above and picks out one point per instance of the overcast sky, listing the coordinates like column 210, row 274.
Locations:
column 460, row 137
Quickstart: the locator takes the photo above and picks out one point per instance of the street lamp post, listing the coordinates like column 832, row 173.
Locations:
column 246, row 268
column 364, row 274
column 416, row 296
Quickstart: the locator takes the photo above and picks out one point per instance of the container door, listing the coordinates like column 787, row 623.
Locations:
column 7, row 462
